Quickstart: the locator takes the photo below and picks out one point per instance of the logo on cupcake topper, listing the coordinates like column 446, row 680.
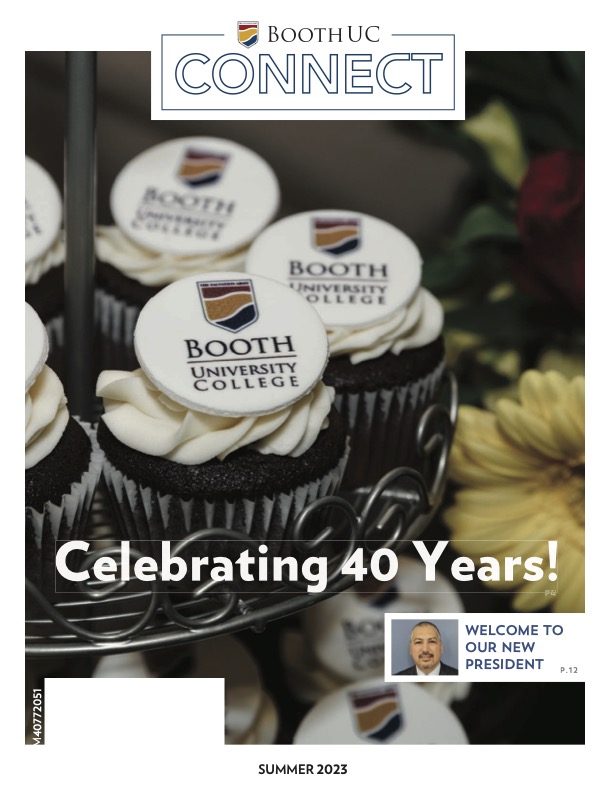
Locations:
column 228, row 304
column 248, row 33
column 335, row 235
column 376, row 713
column 199, row 168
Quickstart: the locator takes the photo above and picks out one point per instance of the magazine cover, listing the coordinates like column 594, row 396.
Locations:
column 305, row 400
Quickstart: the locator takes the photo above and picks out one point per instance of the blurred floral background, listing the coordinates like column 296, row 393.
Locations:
column 512, row 279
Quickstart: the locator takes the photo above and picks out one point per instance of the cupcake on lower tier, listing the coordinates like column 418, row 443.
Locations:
column 363, row 277
column 343, row 638
column 62, row 463
column 375, row 712
column 182, row 207
column 227, row 424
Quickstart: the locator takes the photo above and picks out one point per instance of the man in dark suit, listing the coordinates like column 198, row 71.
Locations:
column 426, row 650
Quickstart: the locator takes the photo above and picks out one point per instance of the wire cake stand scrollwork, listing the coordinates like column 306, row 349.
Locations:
column 104, row 618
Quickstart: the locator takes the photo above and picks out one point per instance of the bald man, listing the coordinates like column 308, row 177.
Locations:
column 426, row 649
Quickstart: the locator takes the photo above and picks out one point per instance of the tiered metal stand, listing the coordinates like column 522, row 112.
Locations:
column 118, row 617
column 103, row 619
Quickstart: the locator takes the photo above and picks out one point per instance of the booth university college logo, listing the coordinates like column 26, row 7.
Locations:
column 228, row 304
column 335, row 235
column 376, row 713
column 248, row 33
column 199, row 167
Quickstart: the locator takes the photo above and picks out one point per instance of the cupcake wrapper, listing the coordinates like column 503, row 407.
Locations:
column 55, row 332
column 115, row 323
column 144, row 514
column 382, row 427
column 68, row 520
column 116, row 318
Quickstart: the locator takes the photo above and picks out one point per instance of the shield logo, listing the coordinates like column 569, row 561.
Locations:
column 248, row 33
column 200, row 167
column 377, row 715
column 228, row 304
column 335, row 235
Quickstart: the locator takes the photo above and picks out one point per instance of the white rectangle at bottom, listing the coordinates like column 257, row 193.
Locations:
column 142, row 713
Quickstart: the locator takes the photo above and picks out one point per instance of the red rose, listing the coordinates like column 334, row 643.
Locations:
column 550, row 220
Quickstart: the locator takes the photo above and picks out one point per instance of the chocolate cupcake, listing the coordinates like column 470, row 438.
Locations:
column 185, row 206
column 44, row 250
column 227, row 424
column 62, row 462
column 363, row 276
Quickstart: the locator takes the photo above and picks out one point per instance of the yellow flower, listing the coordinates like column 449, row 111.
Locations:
column 496, row 129
column 521, row 468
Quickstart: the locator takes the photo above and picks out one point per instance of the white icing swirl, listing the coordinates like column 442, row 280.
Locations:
column 159, row 269
column 145, row 419
column 418, row 323
column 46, row 416
column 54, row 256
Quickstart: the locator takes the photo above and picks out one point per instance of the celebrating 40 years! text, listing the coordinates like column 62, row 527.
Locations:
column 259, row 566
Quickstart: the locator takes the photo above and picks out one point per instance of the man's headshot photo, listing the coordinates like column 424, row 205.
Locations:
column 426, row 649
